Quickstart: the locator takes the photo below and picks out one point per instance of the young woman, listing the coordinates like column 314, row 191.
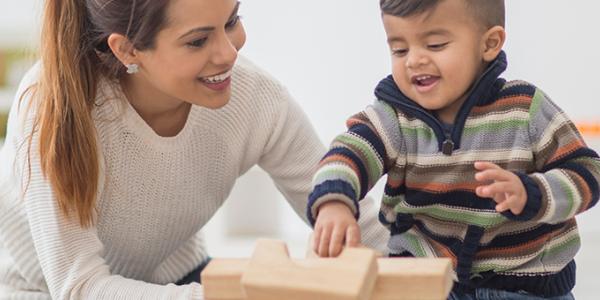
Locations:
column 127, row 137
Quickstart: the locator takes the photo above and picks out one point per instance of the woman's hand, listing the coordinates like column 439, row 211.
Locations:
column 335, row 226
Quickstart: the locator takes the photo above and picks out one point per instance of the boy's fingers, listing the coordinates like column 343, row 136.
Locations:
column 353, row 236
column 496, row 188
column 484, row 165
column 323, row 249
column 503, row 206
column 337, row 241
column 493, row 175
column 316, row 238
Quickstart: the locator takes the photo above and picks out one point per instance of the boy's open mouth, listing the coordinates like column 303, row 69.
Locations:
column 425, row 83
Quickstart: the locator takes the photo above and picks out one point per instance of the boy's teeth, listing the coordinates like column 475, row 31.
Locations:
column 217, row 78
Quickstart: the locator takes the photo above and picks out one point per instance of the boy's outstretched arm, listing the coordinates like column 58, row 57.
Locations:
column 354, row 163
column 567, row 175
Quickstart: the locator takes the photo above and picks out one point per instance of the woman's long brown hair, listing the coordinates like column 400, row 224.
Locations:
column 74, row 55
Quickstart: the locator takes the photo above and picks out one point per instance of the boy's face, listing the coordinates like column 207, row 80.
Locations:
column 436, row 56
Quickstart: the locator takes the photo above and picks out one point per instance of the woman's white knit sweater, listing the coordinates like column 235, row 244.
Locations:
column 155, row 193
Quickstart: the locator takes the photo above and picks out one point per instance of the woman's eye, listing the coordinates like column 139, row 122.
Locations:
column 233, row 22
column 197, row 43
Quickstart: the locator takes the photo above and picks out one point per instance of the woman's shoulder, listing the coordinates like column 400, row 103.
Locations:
column 252, row 81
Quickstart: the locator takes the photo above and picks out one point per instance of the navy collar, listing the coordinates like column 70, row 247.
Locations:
column 484, row 91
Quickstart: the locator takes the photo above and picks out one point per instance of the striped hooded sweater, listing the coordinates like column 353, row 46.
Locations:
column 429, row 202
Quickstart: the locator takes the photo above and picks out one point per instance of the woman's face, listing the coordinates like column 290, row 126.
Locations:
column 195, row 52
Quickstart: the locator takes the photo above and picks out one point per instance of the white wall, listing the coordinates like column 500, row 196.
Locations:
column 331, row 54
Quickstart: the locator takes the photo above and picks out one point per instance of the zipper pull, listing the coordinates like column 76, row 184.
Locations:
column 448, row 147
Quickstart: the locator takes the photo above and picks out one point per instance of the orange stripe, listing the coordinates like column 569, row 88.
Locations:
column 336, row 158
column 444, row 187
column 516, row 250
column 563, row 151
column 510, row 101
column 353, row 121
column 444, row 251
column 394, row 183
column 584, row 189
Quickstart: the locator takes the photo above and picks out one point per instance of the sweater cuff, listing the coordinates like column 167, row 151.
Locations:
column 534, row 200
column 331, row 190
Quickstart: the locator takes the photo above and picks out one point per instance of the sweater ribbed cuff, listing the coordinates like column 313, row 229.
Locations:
column 534, row 200
column 331, row 190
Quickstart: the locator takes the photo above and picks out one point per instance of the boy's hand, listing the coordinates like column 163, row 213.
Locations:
column 335, row 226
column 506, row 187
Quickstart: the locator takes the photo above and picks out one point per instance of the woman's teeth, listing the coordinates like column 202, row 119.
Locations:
column 217, row 78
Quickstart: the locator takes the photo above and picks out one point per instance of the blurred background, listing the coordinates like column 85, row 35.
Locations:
column 330, row 54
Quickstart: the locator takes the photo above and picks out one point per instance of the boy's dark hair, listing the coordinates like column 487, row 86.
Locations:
column 488, row 13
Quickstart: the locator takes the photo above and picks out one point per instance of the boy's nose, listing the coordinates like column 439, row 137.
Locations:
column 416, row 59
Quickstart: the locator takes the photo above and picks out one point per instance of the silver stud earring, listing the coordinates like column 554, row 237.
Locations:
column 132, row 68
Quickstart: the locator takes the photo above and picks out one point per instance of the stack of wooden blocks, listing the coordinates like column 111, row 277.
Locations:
column 356, row 274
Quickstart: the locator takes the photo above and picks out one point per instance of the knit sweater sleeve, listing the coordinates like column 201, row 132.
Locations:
column 357, row 159
column 69, row 255
column 291, row 157
column 567, row 176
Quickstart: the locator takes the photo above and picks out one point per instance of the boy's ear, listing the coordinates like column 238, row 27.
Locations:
column 122, row 48
column 492, row 42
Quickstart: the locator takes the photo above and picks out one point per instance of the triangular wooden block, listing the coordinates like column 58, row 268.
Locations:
column 272, row 275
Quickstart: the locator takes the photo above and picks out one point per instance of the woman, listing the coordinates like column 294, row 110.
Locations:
column 127, row 137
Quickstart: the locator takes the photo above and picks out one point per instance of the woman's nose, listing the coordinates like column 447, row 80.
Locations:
column 224, row 51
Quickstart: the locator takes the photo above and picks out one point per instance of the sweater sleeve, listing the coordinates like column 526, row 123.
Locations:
column 357, row 159
column 69, row 255
column 567, row 176
column 291, row 157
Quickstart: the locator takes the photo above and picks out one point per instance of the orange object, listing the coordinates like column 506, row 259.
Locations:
column 589, row 128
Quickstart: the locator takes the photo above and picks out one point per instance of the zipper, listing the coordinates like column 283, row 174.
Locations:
column 446, row 141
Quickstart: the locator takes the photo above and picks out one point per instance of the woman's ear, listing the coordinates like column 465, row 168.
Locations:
column 492, row 42
column 122, row 48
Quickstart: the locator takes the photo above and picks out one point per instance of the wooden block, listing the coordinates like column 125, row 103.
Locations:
column 221, row 279
column 413, row 278
column 272, row 275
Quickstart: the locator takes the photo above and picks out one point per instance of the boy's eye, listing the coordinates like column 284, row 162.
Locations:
column 233, row 22
column 197, row 43
column 399, row 52
column 439, row 46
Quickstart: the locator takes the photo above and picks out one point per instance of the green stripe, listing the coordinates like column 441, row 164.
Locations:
column 495, row 126
column 449, row 214
column 417, row 249
column 574, row 241
column 373, row 163
column 340, row 174
column 421, row 132
column 536, row 102
column 550, row 252
column 391, row 201
column 568, row 190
